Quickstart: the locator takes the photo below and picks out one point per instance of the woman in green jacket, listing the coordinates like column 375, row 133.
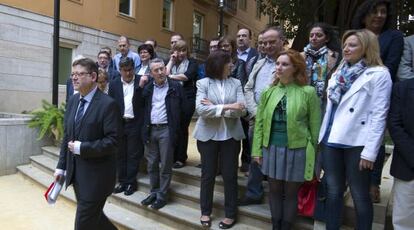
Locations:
column 285, row 135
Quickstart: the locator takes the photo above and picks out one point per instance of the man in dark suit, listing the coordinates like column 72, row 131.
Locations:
column 249, row 55
column 127, row 91
column 88, row 153
column 163, row 108
column 244, row 51
column 104, row 59
column 401, row 129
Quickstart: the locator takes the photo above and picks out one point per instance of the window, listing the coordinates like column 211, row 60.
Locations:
column 65, row 64
column 167, row 14
column 225, row 30
column 198, row 21
column 242, row 4
column 258, row 10
column 125, row 7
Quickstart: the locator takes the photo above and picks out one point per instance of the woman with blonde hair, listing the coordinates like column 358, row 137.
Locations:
column 353, row 126
column 103, row 83
column 183, row 69
column 287, row 124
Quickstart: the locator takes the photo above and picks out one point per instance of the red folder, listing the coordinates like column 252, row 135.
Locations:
column 54, row 189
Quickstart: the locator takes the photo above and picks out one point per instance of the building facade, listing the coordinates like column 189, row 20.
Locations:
column 26, row 36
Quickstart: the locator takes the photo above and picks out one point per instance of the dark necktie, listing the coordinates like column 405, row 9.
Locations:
column 79, row 116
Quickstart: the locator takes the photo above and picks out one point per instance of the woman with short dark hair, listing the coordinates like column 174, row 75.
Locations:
column 321, row 57
column 146, row 53
column 219, row 103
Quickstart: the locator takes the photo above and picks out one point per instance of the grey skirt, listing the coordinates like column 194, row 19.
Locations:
column 281, row 163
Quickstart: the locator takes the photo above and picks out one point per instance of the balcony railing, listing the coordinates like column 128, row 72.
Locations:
column 199, row 46
column 230, row 6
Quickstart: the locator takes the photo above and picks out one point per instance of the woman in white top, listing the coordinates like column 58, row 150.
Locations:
column 353, row 126
column 220, row 104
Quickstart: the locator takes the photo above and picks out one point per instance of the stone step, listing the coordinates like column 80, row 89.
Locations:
column 120, row 216
column 257, row 215
column 187, row 175
column 188, row 217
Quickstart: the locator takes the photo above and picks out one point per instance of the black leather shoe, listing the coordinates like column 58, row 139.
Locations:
column 223, row 225
column 119, row 188
column 178, row 164
column 149, row 200
column 248, row 201
column 130, row 189
column 158, row 204
column 244, row 167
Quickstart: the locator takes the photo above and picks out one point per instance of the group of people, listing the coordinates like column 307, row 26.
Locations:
column 285, row 112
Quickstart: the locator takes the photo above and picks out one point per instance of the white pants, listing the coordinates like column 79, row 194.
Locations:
column 403, row 206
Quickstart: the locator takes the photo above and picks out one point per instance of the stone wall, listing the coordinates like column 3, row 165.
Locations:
column 17, row 142
column 26, row 41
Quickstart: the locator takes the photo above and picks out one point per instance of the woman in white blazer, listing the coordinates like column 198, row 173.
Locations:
column 353, row 126
column 219, row 104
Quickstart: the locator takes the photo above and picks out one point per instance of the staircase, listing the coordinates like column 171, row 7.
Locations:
column 183, row 209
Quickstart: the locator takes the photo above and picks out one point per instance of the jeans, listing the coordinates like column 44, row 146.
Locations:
column 342, row 165
column 254, row 188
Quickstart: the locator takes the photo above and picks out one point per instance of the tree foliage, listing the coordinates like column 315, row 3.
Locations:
column 297, row 15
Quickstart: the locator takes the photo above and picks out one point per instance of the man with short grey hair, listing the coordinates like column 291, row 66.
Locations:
column 163, row 106
column 259, row 79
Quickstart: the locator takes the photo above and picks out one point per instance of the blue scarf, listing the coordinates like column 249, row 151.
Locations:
column 344, row 78
column 317, row 67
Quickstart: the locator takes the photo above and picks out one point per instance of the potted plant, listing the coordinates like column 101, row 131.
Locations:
column 49, row 121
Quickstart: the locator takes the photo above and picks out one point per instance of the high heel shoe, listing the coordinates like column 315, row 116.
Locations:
column 223, row 225
column 206, row 223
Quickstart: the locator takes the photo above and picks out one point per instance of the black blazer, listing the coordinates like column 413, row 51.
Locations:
column 401, row 129
column 100, row 131
column 174, row 105
column 116, row 91
column 113, row 74
column 191, row 73
column 239, row 72
column 252, row 58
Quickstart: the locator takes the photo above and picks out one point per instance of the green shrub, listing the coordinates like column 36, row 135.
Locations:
column 49, row 120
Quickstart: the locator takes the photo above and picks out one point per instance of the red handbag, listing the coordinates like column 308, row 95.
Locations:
column 307, row 197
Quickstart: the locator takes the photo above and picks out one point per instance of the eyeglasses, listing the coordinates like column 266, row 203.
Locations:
column 79, row 74
column 270, row 43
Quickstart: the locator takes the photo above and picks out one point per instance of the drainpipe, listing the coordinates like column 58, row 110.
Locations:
column 221, row 6
column 55, row 79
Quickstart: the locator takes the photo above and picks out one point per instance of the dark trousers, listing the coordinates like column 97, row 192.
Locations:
column 342, row 165
column 246, row 147
column 159, row 154
column 210, row 151
column 130, row 153
column 254, row 189
column 376, row 173
column 90, row 215
column 180, row 153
